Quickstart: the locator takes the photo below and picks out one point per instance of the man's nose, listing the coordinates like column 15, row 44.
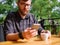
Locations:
column 26, row 7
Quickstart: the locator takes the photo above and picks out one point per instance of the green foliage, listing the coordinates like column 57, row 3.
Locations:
column 2, row 18
column 9, row 2
column 55, row 14
column 5, row 8
column 44, row 8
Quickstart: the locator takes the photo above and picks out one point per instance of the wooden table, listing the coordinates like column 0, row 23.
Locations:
column 55, row 40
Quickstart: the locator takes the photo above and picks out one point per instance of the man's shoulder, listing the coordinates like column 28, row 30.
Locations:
column 11, row 14
column 31, row 14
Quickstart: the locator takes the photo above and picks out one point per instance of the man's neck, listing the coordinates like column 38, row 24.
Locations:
column 22, row 16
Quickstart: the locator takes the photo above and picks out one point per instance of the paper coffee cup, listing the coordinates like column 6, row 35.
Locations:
column 44, row 36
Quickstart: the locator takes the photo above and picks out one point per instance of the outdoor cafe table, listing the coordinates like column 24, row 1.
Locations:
column 55, row 40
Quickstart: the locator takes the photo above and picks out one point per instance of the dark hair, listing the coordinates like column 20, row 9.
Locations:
column 22, row 0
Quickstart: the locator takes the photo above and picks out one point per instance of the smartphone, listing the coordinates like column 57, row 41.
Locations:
column 36, row 26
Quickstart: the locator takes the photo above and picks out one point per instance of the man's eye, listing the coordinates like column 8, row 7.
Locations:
column 22, row 3
column 28, row 4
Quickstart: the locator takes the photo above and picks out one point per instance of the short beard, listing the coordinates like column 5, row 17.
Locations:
column 21, row 13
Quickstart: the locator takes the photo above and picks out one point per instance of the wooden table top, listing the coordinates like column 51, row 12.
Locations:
column 55, row 40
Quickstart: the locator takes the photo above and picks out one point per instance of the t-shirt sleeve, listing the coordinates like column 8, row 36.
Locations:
column 8, row 25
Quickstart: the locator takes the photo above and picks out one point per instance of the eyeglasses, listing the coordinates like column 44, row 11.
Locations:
column 24, row 4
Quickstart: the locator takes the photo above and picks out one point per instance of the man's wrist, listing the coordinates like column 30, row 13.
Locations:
column 21, row 36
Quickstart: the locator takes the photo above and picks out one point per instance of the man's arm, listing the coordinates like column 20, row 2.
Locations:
column 9, row 29
column 12, row 37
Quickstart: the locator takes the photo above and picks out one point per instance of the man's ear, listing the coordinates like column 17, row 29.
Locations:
column 17, row 3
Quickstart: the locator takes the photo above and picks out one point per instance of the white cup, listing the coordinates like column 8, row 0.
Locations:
column 44, row 36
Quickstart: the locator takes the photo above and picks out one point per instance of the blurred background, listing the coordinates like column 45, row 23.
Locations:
column 47, row 12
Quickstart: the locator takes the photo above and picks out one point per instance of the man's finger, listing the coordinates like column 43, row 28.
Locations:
column 31, row 31
column 34, row 34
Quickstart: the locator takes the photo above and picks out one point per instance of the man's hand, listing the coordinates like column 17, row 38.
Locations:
column 29, row 33
column 12, row 37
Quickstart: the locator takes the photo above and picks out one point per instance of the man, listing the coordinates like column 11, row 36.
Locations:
column 18, row 24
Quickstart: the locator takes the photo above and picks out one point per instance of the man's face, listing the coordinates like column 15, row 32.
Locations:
column 24, row 6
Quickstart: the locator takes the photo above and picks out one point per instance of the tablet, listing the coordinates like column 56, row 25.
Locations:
column 36, row 26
